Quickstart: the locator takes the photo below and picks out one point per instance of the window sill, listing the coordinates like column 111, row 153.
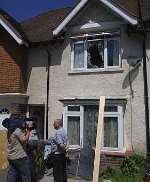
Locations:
column 98, row 71
column 106, row 152
column 117, row 153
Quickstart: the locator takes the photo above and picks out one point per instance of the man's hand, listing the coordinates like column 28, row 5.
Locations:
column 26, row 136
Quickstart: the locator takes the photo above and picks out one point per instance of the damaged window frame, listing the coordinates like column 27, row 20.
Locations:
column 84, row 41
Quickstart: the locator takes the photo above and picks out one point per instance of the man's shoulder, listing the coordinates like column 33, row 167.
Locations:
column 61, row 131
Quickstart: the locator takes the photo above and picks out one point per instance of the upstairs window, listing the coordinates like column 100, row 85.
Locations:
column 96, row 52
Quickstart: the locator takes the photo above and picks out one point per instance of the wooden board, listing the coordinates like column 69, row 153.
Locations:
column 99, row 139
column 3, row 150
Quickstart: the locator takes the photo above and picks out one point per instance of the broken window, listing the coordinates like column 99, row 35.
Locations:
column 95, row 58
column 95, row 53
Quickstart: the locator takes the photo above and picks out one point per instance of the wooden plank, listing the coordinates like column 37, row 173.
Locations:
column 99, row 139
column 3, row 150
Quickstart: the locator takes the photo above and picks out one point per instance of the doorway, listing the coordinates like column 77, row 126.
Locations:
column 38, row 111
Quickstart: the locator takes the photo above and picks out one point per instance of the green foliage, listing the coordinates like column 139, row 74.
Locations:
column 132, row 164
column 119, row 177
column 108, row 173
column 132, row 170
column 147, row 168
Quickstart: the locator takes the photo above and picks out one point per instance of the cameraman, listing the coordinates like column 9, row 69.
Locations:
column 17, row 156
column 32, row 146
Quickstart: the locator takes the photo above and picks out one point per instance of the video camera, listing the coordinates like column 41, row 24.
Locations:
column 16, row 121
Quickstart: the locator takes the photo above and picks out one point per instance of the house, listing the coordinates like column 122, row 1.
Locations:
column 13, row 96
column 78, row 54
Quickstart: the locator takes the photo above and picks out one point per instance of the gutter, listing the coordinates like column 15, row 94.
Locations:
column 47, row 91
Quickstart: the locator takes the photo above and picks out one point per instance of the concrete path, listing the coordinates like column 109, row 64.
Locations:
column 44, row 179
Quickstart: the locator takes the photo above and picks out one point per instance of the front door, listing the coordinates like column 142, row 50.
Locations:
column 38, row 112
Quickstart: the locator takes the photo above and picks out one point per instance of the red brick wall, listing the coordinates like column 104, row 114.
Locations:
column 12, row 64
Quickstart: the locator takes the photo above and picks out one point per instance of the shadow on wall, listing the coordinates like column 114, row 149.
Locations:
column 131, row 76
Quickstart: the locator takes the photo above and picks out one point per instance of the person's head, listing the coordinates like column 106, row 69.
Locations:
column 15, row 115
column 57, row 123
column 31, row 122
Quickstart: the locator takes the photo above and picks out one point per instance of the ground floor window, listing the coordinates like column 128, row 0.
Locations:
column 80, row 122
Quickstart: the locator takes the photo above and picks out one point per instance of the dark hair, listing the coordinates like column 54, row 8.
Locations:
column 31, row 119
column 34, row 120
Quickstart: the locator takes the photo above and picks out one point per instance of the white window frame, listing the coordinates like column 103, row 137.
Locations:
column 85, row 55
column 118, row 114
column 78, row 114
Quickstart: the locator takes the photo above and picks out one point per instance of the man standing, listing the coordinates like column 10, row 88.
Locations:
column 59, row 161
column 17, row 157
column 32, row 147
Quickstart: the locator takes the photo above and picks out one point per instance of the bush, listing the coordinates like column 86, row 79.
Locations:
column 131, row 165
column 109, row 172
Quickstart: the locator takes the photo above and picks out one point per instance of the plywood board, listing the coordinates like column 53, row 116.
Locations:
column 3, row 150
column 99, row 139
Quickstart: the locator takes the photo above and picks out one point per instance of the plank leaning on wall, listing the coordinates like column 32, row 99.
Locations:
column 99, row 139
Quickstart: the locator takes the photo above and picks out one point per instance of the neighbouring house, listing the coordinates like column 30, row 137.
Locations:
column 78, row 54
column 13, row 96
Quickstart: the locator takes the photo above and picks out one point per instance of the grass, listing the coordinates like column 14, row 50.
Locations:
column 119, row 177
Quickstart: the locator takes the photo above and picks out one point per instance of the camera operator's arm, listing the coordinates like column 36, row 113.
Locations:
column 26, row 136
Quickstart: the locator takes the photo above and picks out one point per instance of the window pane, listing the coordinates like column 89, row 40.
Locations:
column 95, row 54
column 113, row 52
column 111, row 132
column 111, row 109
column 73, row 130
column 73, row 108
column 79, row 55
column 90, row 124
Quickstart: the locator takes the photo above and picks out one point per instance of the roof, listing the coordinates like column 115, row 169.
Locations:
column 12, row 27
column 131, row 7
column 109, row 3
column 39, row 28
column 127, row 9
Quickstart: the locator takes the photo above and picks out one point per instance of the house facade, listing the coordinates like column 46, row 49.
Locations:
column 77, row 55
column 93, row 60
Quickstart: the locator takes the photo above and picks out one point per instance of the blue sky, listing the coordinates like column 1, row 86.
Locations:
column 24, row 9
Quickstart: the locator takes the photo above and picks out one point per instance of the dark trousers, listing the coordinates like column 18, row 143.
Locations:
column 32, row 166
column 59, row 168
column 19, row 167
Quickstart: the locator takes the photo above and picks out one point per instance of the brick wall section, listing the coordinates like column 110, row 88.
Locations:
column 12, row 65
column 110, row 162
column 86, row 163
